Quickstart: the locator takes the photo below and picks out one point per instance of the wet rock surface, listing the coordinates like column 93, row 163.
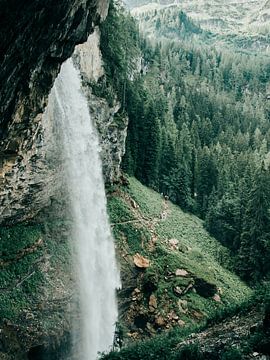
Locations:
column 32, row 52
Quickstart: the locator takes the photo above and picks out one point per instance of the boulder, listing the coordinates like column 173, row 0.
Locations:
column 181, row 272
column 182, row 306
column 178, row 291
column 140, row 261
column 159, row 321
column 181, row 323
column 172, row 316
column 153, row 302
column 217, row 298
column 173, row 244
column 205, row 288
column 134, row 204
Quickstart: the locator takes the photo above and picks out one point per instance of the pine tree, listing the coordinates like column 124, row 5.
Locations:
column 152, row 147
column 207, row 179
column 254, row 255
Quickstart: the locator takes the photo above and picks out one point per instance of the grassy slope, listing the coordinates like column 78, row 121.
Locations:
column 141, row 230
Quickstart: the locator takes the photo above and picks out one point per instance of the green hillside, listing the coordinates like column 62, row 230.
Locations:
column 184, row 281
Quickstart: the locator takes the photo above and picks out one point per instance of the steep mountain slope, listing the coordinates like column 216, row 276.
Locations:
column 218, row 14
column 173, row 272
column 244, row 24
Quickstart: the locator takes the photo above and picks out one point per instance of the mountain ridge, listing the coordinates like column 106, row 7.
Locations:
column 244, row 24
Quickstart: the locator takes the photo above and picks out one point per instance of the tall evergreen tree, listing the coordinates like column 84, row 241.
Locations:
column 254, row 255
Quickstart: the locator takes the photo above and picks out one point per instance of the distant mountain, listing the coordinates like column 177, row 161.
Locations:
column 245, row 24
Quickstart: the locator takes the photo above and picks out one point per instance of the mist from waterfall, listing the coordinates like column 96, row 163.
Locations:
column 94, row 253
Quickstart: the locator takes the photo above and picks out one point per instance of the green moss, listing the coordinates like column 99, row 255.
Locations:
column 150, row 201
column 16, row 238
column 161, row 347
column 25, row 249
column 137, row 237
column 232, row 354
column 20, row 274
column 119, row 210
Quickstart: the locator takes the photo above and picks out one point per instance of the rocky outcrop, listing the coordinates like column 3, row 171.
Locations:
column 27, row 176
column 36, row 37
column 29, row 161
column 231, row 333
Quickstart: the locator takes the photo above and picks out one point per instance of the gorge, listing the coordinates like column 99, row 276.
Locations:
column 160, row 117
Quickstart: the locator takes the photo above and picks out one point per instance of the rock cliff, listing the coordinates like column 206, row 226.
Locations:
column 37, row 39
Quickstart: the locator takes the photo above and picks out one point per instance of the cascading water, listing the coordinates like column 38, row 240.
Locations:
column 94, row 248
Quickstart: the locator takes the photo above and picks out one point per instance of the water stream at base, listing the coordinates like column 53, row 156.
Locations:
column 94, row 254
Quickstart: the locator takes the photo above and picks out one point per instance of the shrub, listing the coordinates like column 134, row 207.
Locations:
column 190, row 352
column 232, row 354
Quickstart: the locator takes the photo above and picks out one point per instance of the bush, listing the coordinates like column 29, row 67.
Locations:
column 232, row 354
column 190, row 352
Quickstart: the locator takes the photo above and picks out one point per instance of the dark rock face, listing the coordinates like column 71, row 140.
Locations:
column 36, row 37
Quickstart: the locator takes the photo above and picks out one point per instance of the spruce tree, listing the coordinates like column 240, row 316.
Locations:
column 254, row 255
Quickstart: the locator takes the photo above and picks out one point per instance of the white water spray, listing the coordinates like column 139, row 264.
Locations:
column 94, row 248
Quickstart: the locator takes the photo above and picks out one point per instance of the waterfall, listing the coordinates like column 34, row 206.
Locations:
column 94, row 254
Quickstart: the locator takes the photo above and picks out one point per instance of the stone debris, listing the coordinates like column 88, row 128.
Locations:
column 217, row 298
column 181, row 272
column 181, row 323
column 228, row 333
column 182, row 306
column 150, row 329
column 153, row 302
column 134, row 204
column 172, row 316
column 160, row 321
column 179, row 291
column 140, row 261
column 173, row 244
column 197, row 315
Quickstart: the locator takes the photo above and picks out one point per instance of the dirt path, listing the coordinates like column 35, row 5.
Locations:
column 149, row 222
column 165, row 210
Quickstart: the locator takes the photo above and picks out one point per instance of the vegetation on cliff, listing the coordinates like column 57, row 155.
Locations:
column 35, row 277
